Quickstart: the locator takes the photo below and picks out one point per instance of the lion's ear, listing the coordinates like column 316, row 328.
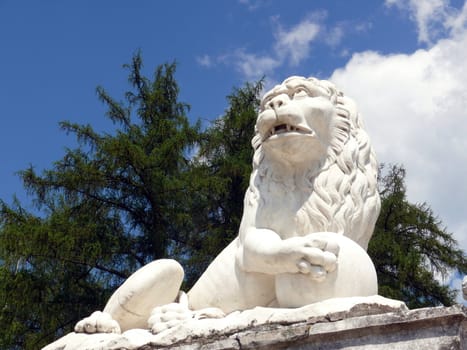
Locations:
column 332, row 91
column 334, row 95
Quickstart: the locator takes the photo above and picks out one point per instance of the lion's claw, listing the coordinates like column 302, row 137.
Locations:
column 318, row 256
column 168, row 316
column 171, row 315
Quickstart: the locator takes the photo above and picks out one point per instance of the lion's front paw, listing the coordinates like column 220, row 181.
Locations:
column 98, row 322
column 168, row 316
column 319, row 256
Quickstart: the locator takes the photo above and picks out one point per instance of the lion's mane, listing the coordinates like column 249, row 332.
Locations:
column 343, row 188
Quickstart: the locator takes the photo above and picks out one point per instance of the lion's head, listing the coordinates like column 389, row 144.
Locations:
column 309, row 131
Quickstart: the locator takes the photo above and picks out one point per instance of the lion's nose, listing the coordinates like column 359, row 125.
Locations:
column 278, row 101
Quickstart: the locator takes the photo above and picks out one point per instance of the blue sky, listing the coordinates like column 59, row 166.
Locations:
column 403, row 61
column 55, row 54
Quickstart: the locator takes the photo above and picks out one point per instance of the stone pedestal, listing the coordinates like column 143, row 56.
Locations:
column 350, row 323
column 430, row 328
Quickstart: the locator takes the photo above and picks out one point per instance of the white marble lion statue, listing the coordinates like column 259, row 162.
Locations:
column 309, row 212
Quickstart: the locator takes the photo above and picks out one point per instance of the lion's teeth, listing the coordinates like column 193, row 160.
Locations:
column 283, row 128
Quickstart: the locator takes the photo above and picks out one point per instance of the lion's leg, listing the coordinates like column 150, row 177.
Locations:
column 354, row 275
column 226, row 286
column 222, row 288
column 157, row 283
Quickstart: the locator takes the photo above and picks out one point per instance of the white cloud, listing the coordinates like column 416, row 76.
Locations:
column 295, row 43
column 458, row 22
column 363, row 27
column 251, row 4
column 204, row 61
column 433, row 17
column 415, row 108
column 254, row 66
column 334, row 36
column 291, row 47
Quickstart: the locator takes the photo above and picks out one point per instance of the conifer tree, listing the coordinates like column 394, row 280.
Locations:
column 411, row 249
column 224, row 163
column 116, row 202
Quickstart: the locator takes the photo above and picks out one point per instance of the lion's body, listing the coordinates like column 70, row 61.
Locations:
column 333, row 194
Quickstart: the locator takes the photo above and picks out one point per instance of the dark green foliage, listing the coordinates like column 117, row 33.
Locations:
column 410, row 247
column 116, row 202
column 140, row 173
column 224, row 164
column 54, row 271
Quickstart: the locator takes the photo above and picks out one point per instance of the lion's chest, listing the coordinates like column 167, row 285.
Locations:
column 280, row 212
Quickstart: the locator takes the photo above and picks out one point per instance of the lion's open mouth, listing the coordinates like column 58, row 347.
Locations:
column 286, row 128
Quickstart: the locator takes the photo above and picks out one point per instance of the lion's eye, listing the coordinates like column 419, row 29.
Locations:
column 300, row 92
column 264, row 104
